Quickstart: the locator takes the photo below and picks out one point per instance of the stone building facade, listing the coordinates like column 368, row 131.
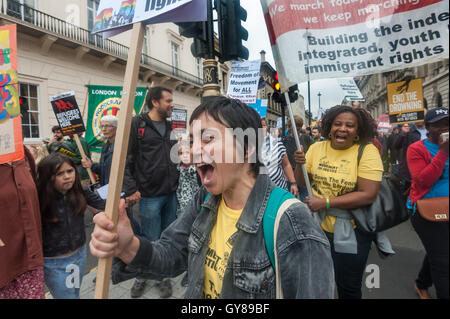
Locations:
column 435, row 83
column 57, row 53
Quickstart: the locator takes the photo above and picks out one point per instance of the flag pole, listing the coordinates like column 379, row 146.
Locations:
column 297, row 142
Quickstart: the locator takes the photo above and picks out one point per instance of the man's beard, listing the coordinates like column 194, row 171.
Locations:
column 164, row 113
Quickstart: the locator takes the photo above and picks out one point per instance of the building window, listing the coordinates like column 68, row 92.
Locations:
column 175, row 57
column 94, row 39
column 92, row 7
column 22, row 9
column 29, row 108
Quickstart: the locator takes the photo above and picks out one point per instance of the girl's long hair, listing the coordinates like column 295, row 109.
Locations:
column 75, row 197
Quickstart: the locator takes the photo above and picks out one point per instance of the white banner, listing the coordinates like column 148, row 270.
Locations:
column 343, row 38
column 244, row 78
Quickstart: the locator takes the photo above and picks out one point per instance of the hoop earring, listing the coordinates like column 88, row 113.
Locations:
column 356, row 139
column 329, row 135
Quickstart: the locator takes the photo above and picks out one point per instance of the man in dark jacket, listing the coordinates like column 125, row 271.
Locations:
column 394, row 153
column 151, row 178
column 416, row 133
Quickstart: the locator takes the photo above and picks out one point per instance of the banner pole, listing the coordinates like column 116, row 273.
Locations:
column 83, row 155
column 145, row 99
column 297, row 141
column 120, row 151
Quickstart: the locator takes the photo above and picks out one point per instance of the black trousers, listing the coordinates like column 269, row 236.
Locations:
column 434, row 237
column 349, row 268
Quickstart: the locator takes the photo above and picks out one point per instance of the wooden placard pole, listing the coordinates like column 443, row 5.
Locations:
column 145, row 99
column 120, row 151
column 83, row 155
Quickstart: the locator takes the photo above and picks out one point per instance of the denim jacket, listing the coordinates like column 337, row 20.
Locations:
column 303, row 250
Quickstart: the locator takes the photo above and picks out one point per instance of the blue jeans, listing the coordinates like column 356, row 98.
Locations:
column 156, row 213
column 63, row 275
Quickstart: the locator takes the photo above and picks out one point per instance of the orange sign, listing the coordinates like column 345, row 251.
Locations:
column 11, row 143
column 405, row 100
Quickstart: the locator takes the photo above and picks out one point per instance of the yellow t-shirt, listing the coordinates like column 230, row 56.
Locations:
column 219, row 249
column 335, row 172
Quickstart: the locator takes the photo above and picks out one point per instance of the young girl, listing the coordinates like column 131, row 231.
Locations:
column 188, row 184
column 63, row 202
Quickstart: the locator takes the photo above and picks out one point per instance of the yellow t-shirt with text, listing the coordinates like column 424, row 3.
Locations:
column 219, row 249
column 335, row 172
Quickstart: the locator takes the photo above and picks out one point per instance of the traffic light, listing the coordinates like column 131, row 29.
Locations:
column 293, row 93
column 196, row 30
column 231, row 32
column 277, row 96
column 199, row 49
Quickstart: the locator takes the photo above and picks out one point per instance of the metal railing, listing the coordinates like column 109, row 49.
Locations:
column 60, row 27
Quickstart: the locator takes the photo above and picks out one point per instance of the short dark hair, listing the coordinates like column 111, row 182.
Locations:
column 155, row 93
column 233, row 114
column 366, row 124
column 56, row 128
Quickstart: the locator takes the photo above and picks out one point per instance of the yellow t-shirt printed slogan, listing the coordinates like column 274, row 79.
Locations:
column 335, row 172
column 219, row 250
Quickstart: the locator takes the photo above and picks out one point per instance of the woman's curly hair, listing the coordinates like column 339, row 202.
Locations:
column 366, row 124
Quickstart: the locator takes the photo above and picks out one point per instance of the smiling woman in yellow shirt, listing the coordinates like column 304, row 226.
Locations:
column 336, row 172
column 339, row 182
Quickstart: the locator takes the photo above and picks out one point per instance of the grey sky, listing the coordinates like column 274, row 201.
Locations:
column 259, row 40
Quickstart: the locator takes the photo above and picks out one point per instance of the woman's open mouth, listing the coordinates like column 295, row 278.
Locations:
column 206, row 172
column 340, row 138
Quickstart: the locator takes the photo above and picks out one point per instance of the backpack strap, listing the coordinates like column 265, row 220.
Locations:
column 276, row 199
column 361, row 151
column 204, row 201
column 141, row 127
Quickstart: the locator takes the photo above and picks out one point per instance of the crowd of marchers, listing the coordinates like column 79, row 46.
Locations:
column 214, row 219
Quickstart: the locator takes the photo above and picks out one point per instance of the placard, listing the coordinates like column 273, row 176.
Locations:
column 405, row 101
column 116, row 16
column 244, row 79
column 11, row 142
column 179, row 119
column 384, row 125
column 67, row 113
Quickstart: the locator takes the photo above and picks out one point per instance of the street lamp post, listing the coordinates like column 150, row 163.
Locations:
column 319, row 95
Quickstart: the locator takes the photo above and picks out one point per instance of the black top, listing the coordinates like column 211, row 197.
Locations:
column 68, row 233
column 149, row 168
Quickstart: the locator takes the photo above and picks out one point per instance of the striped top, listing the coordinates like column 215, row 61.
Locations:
column 273, row 152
